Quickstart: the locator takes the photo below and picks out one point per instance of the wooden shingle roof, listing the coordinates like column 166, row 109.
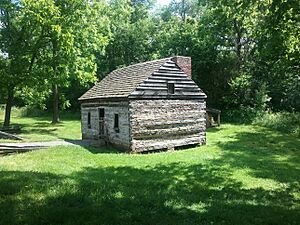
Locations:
column 121, row 82
column 145, row 80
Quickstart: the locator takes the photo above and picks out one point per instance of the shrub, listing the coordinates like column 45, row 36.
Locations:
column 281, row 121
column 244, row 114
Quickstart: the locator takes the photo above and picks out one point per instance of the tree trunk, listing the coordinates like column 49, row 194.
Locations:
column 9, row 104
column 55, row 117
column 238, row 44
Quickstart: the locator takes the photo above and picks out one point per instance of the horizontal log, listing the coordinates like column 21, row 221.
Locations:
column 152, row 88
column 4, row 135
column 163, row 115
column 168, row 78
column 152, row 144
column 153, row 80
column 157, row 97
column 211, row 110
column 177, row 85
column 168, row 75
column 157, row 124
column 169, row 68
column 188, row 128
column 165, row 135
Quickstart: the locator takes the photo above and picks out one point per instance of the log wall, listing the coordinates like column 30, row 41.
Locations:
column 165, row 124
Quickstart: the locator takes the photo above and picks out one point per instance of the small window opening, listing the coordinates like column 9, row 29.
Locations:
column 171, row 88
column 101, row 113
column 89, row 120
column 116, row 123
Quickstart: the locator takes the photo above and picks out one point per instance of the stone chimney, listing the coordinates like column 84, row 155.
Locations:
column 185, row 63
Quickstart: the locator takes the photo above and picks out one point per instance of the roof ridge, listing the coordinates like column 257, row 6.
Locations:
column 141, row 63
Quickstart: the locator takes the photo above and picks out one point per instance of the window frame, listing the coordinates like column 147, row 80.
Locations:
column 171, row 88
column 117, row 123
column 101, row 113
column 89, row 124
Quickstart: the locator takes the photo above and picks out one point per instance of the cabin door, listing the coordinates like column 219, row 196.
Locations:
column 101, row 115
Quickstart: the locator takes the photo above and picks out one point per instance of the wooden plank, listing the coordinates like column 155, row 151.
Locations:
column 187, row 89
column 213, row 110
column 169, row 68
column 177, row 85
column 155, row 81
column 4, row 135
column 153, row 85
column 152, row 88
column 186, row 97
column 163, row 92
column 165, row 135
column 168, row 75
column 168, row 78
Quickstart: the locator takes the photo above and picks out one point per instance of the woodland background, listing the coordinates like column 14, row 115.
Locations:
column 245, row 54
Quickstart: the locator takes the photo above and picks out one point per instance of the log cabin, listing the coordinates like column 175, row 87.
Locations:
column 147, row 106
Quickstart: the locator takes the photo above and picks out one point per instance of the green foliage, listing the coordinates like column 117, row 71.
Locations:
column 132, row 29
column 279, row 52
column 244, row 175
column 76, row 31
column 241, row 115
column 33, row 97
column 49, row 43
column 245, row 54
column 286, row 122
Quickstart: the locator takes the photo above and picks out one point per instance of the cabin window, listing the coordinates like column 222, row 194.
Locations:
column 116, row 123
column 171, row 88
column 101, row 113
column 89, row 120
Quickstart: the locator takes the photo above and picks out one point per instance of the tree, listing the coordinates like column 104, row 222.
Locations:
column 278, row 53
column 76, row 31
column 132, row 31
column 20, row 42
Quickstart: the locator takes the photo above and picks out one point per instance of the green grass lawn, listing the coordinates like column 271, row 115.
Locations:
column 244, row 175
column 41, row 129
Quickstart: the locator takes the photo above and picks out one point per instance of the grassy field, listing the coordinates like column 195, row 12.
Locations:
column 40, row 128
column 244, row 175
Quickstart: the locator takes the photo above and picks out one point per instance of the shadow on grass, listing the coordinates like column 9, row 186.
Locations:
column 64, row 116
column 165, row 194
column 94, row 149
column 176, row 193
column 38, row 127
column 266, row 154
column 214, row 129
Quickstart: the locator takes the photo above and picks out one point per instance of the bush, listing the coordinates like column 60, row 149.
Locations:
column 242, row 115
column 282, row 121
column 31, row 111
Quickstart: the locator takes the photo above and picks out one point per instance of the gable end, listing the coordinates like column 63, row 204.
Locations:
column 156, row 85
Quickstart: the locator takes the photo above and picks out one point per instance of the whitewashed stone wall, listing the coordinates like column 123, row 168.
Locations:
column 91, row 133
column 165, row 124
column 120, row 139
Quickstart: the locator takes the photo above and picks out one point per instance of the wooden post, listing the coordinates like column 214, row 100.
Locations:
column 219, row 119
column 55, row 113
column 8, row 107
